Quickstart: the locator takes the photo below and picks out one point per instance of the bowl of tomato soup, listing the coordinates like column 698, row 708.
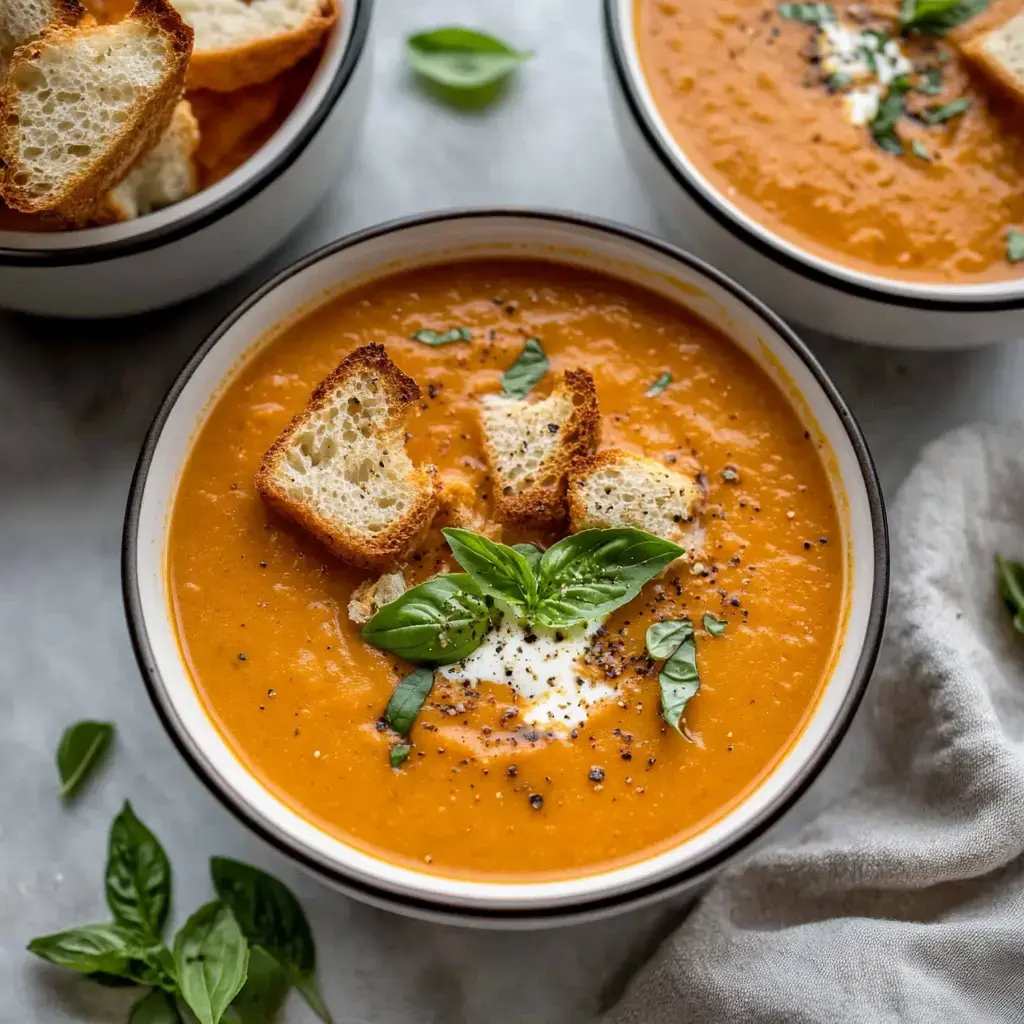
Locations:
column 857, row 170
column 556, row 767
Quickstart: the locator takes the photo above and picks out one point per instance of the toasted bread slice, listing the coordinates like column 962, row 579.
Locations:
column 24, row 20
column 371, row 595
column 529, row 446
column 340, row 468
column 243, row 42
column 84, row 104
column 999, row 52
column 614, row 488
column 165, row 175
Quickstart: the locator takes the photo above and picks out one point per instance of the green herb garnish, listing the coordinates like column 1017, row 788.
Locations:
column 399, row 754
column 461, row 66
column 663, row 638
column 233, row 960
column 937, row 17
column 80, row 750
column 936, row 115
column 435, row 338
column 1011, row 586
column 890, row 110
column 837, row 82
column 716, row 627
column 920, row 151
column 531, row 364
column 1015, row 245
column 531, row 553
column 659, row 385
column 809, row 14
column 410, row 695
column 930, row 83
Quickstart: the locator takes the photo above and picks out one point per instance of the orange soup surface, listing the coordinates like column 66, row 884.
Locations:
column 751, row 98
column 262, row 607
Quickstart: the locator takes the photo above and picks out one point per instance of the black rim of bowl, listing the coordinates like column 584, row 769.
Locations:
column 245, row 190
column 615, row 32
column 437, row 908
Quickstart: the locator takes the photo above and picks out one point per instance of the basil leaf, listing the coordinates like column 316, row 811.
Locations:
column 531, row 553
column 932, row 83
column 496, row 568
column 1015, row 245
column 919, row 150
column 138, row 876
column 211, row 956
column 263, row 994
column 679, row 681
column 663, row 638
column 437, row 622
column 936, row 115
column 589, row 574
column 1011, row 586
column 461, row 66
column 399, row 754
column 409, row 696
column 530, row 365
column 156, row 1007
column 435, row 339
column 81, row 747
column 890, row 110
column 659, row 385
column 937, row 17
column 716, row 627
column 107, row 949
column 270, row 916
column 809, row 14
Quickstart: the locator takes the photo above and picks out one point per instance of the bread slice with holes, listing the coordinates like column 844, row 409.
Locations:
column 243, row 42
column 614, row 488
column 340, row 468
column 165, row 175
column 371, row 595
column 24, row 20
column 530, row 444
column 999, row 52
column 83, row 104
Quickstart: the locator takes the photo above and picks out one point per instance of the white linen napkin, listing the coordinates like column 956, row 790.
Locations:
column 905, row 901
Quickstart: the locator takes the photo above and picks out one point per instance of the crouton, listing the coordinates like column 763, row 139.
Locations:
column 999, row 53
column 371, row 595
column 529, row 446
column 83, row 104
column 340, row 468
column 614, row 488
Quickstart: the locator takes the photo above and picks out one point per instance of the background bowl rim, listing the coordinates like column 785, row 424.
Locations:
column 293, row 848
column 893, row 291
column 249, row 185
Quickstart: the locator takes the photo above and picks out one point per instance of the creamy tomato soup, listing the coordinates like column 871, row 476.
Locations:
column 790, row 121
column 489, row 790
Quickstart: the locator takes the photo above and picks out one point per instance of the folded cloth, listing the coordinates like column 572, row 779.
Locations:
column 905, row 901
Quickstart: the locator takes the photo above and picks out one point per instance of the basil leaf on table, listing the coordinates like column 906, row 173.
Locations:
column 809, row 14
column 1015, row 245
column 434, row 339
column 156, row 1007
column 1011, row 586
column 716, row 627
column 437, row 622
column 270, row 916
column 679, row 681
column 937, row 17
column 81, row 747
column 462, row 66
column 399, row 754
column 890, row 110
column 211, row 956
column 936, row 115
column 659, row 385
column 663, row 638
column 138, row 875
column 264, row 992
column 409, row 696
column 105, row 949
column 521, row 377
column 591, row 573
column 531, row 553
column 497, row 569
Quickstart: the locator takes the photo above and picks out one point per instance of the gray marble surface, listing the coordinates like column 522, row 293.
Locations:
column 75, row 401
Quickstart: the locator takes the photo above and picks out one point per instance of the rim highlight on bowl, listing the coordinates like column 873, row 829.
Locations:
column 441, row 238
column 892, row 301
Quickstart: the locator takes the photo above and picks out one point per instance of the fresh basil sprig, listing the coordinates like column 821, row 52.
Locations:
column 108, row 951
column 716, row 627
column 138, row 875
column 437, row 622
column 890, row 110
column 461, row 66
column 155, row 1007
column 1011, row 586
column 80, row 750
column 435, row 339
column 211, row 960
column 659, row 385
column 937, row 17
column 410, row 695
column 497, row 569
column 1015, row 245
column 531, row 364
column 679, row 679
column 663, row 638
column 936, row 115
column 809, row 14
column 531, row 553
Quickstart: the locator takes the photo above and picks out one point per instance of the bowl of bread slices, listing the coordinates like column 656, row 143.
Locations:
column 151, row 150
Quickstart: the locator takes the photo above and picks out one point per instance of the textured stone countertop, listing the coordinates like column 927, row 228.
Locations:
column 75, row 401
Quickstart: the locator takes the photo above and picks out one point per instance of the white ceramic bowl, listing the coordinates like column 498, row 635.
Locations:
column 200, row 243
column 803, row 287
column 440, row 238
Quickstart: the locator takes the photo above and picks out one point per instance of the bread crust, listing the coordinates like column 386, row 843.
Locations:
column 579, row 437
column 975, row 50
column 260, row 60
column 352, row 546
column 85, row 192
